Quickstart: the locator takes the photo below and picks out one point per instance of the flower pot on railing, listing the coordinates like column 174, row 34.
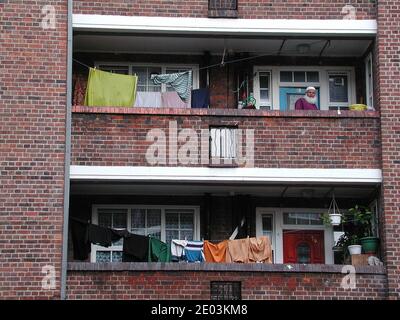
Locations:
column 370, row 244
column 354, row 249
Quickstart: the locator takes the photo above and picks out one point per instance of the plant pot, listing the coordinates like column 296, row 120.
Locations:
column 354, row 249
column 336, row 218
column 369, row 244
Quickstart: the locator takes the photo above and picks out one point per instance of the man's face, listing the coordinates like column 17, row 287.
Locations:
column 310, row 93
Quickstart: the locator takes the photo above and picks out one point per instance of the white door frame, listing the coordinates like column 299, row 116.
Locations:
column 279, row 226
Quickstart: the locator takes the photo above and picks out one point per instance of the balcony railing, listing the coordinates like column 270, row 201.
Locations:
column 222, row 9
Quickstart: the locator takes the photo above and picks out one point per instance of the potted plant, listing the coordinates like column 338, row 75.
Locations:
column 331, row 219
column 362, row 217
column 334, row 215
column 345, row 245
column 354, row 246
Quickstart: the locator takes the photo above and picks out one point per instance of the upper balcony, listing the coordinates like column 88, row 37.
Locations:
column 240, row 64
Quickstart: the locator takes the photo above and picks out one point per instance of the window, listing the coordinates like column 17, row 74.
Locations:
column 299, row 76
column 144, row 72
column 338, row 90
column 145, row 84
column 146, row 222
column 179, row 224
column 267, row 226
column 223, row 144
column 264, row 79
column 110, row 218
column 300, row 218
column 162, row 222
column 115, row 69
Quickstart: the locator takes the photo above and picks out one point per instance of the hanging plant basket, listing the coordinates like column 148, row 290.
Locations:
column 336, row 218
column 334, row 213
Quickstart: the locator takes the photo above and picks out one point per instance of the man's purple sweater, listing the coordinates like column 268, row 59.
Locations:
column 302, row 104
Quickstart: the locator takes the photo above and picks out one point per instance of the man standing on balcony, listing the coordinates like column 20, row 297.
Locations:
column 308, row 102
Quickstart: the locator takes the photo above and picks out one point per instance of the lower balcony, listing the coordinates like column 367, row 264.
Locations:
column 159, row 281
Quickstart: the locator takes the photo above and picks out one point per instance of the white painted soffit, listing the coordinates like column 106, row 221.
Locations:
column 272, row 27
column 210, row 175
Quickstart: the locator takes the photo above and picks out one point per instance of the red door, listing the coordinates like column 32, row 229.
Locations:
column 303, row 246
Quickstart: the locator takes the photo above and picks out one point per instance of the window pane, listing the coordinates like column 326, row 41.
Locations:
column 303, row 253
column 154, row 218
column 187, row 220
column 187, row 234
column 286, row 76
column 145, row 84
column 289, row 218
column 172, row 220
column 119, row 221
column 264, row 80
column 299, row 76
column 312, row 76
column 171, row 234
column 138, row 218
column 105, row 220
column 267, row 222
column 115, row 69
column 117, row 256
column 264, row 95
column 154, row 233
column 315, row 219
column 303, row 218
column 103, row 256
column 112, row 218
column 338, row 89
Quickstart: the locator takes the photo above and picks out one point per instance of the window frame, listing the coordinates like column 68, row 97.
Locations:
column 339, row 105
column 323, row 83
column 95, row 219
column 267, row 105
column 163, row 66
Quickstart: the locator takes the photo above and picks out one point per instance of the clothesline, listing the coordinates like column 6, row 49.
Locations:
column 223, row 62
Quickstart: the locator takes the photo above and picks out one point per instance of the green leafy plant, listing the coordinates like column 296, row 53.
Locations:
column 326, row 220
column 361, row 216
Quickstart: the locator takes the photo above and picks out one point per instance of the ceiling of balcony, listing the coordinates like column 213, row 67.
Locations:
column 274, row 191
column 134, row 43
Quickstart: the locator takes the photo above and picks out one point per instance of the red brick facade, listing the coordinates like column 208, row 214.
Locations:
column 263, row 9
column 280, row 141
column 32, row 145
column 388, row 45
column 33, row 75
column 255, row 285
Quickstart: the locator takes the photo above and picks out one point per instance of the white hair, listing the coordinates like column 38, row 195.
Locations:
column 310, row 100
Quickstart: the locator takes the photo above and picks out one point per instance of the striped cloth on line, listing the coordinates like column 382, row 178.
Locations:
column 181, row 82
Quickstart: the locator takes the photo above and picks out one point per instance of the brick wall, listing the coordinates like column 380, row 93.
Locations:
column 262, row 9
column 32, row 138
column 388, row 85
column 185, row 284
column 286, row 142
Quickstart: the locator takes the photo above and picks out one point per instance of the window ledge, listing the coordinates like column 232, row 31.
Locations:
column 228, row 112
column 220, row 267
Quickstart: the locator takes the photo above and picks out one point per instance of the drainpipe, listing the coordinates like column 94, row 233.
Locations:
column 67, row 156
